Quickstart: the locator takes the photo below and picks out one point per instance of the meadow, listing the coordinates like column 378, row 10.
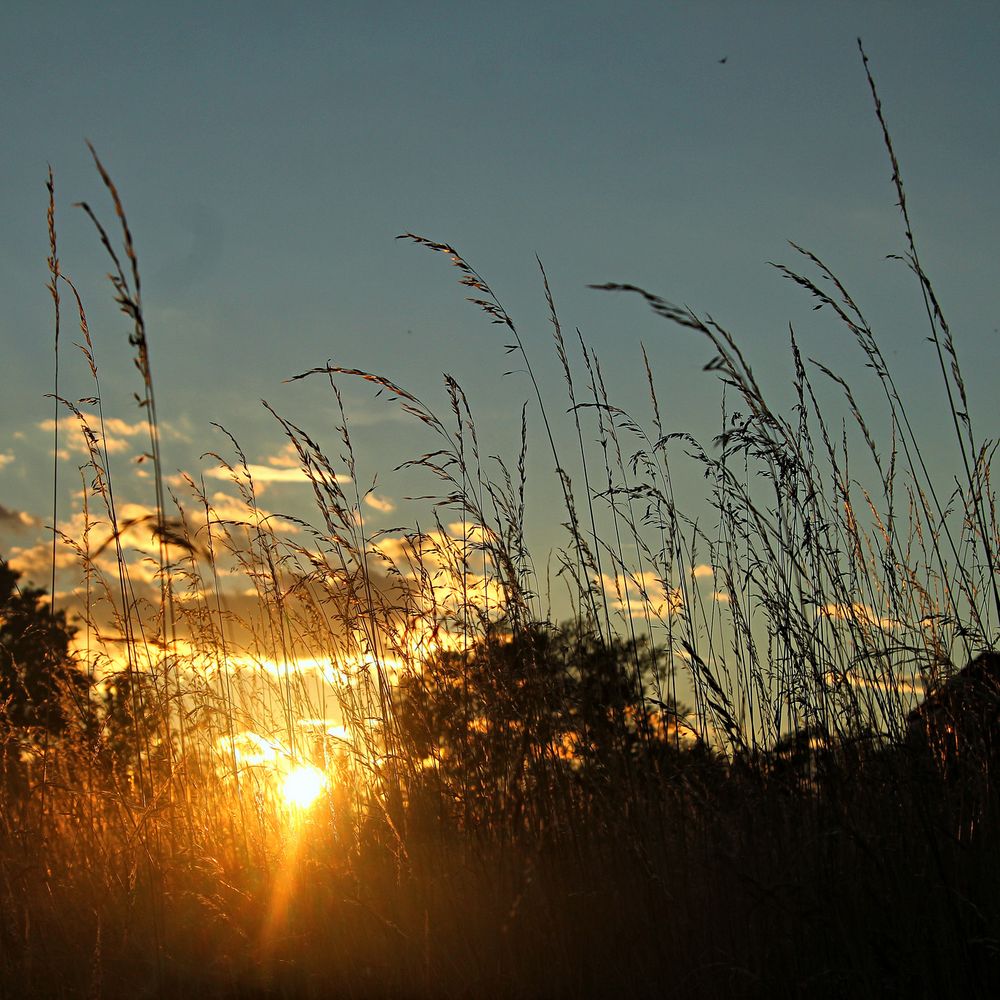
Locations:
column 390, row 773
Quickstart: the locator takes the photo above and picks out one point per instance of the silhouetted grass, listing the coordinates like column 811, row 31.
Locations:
column 722, row 789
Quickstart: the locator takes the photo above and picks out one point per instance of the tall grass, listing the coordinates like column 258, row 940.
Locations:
column 710, row 780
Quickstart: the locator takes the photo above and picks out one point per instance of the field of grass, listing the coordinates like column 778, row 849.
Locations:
column 394, row 776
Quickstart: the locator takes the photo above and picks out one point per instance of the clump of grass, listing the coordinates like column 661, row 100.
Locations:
column 714, row 787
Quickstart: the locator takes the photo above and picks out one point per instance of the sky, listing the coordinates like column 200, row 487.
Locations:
column 268, row 157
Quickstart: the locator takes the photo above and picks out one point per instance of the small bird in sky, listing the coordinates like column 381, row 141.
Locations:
column 723, row 60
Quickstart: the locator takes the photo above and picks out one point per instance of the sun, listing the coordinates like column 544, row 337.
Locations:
column 303, row 786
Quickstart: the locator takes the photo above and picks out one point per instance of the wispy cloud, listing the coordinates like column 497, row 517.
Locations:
column 284, row 466
column 862, row 615
column 6, row 457
column 265, row 474
column 905, row 684
column 381, row 504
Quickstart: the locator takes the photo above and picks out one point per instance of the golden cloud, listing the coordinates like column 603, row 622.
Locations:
column 287, row 457
column 858, row 614
column 266, row 474
column 118, row 433
column 642, row 595
column 381, row 504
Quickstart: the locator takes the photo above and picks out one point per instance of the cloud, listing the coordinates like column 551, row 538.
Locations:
column 6, row 458
column 264, row 474
column 702, row 570
column 274, row 469
column 287, row 457
column 234, row 511
column 93, row 538
column 862, row 615
column 17, row 520
column 398, row 550
column 118, row 433
column 35, row 563
column 447, row 574
column 906, row 684
column 641, row 595
column 381, row 504
column 468, row 530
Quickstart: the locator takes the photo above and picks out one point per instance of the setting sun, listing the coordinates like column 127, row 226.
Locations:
column 303, row 786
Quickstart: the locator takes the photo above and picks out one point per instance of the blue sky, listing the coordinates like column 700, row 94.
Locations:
column 268, row 157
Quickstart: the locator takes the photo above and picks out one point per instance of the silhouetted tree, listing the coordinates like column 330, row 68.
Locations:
column 135, row 742
column 500, row 725
column 41, row 686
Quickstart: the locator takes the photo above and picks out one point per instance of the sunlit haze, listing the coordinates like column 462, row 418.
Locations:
column 303, row 786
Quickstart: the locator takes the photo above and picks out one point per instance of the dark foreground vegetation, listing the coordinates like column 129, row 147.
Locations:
column 778, row 782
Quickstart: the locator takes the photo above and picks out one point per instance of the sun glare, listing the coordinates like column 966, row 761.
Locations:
column 303, row 786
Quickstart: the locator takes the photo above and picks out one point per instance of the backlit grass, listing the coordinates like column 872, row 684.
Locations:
column 386, row 771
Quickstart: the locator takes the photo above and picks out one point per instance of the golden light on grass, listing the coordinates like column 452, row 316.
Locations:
column 303, row 786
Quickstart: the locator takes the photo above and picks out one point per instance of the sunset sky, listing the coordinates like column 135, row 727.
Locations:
column 267, row 157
